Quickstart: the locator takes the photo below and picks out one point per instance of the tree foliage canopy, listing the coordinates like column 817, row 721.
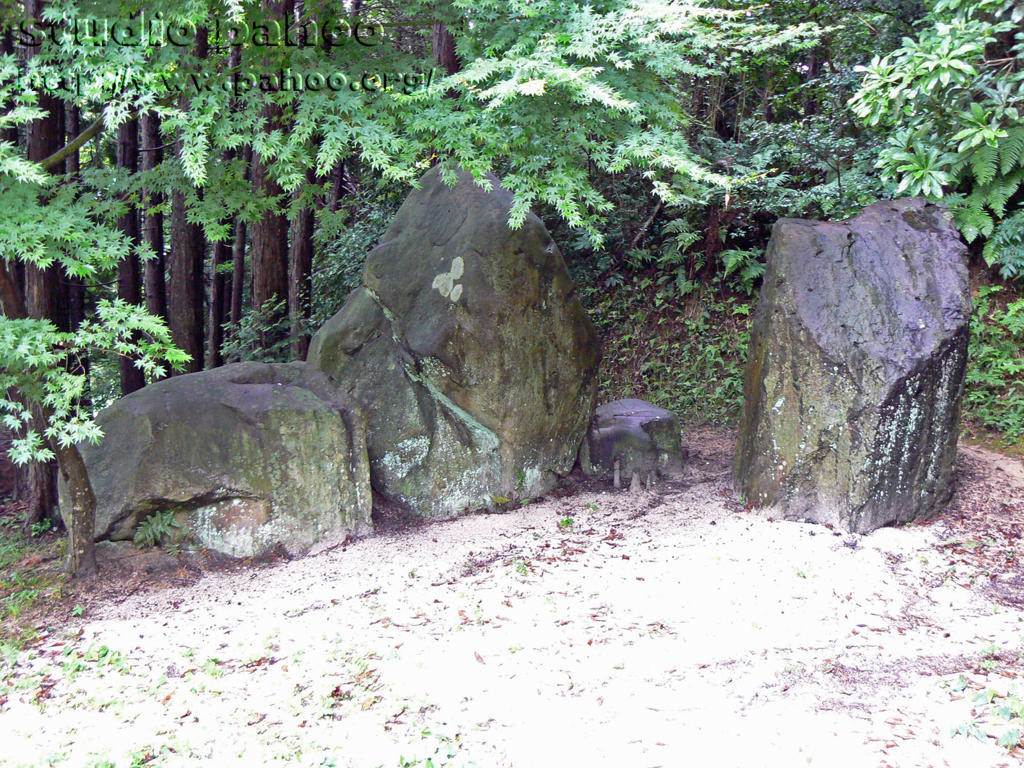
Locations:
column 954, row 97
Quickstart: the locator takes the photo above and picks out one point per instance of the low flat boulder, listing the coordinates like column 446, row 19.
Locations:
column 635, row 435
column 468, row 350
column 856, row 366
column 248, row 457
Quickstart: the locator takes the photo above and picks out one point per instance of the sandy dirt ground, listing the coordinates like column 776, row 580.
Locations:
column 592, row 628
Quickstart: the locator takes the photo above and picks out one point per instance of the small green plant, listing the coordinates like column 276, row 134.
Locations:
column 565, row 522
column 1006, row 246
column 13, row 547
column 1011, row 738
column 38, row 529
column 213, row 668
column 74, row 663
column 994, row 708
column 989, row 660
column 745, row 266
column 22, row 584
column 17, row 602
column 160, row 527
column 9, row 650
column 968, row 730
column 78, row 610
column 996, row 714
column 145, row 756
column 443, row 748
column 521, row 566
column 96, row 655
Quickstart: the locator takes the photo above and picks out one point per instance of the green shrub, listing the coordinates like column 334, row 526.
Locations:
column 344, row 240
column 686, row 355
column 994, row 395
column 243, row 341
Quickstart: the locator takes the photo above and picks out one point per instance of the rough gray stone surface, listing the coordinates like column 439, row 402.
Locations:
column 467, row 347
column 249, row 456
column 641, row 437
column 856, row 366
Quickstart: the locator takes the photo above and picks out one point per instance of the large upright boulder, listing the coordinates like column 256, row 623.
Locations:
column 248, row 457
column 856, row 367
column 469, row 351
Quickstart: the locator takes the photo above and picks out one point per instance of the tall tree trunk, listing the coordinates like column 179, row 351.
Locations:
column 232, row 311
column 129, row 282
column 337, row 186
column 443, row 48
column 153, row 218
column 10, row 132
column 223, row 284
column 45, row 297
column 185, row 290
column 268, row 246
column 76, row 288
column 220, row 286
column 300, row 270
column 224, row 290
column 40, row 294
column 237, row 272
column 238, row 251
column 185, row 284
column 812, row 74
column 268, row 249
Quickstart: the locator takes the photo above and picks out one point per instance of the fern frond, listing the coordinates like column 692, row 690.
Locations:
column 999, row 191
column 1006, row 246
column 983, row 163
column 676, row 226
column 1011, row 149
column 973, row 219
